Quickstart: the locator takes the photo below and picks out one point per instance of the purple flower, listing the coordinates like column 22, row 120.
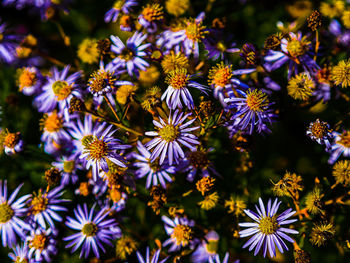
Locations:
column 320, row 132
column 340, row 146
column 216, row 259
column 8, row 44
column 42, row 245
column 207, row 248
column 94, row 231
column 155, row 172
column 151, row 16
column 53, row 125
column 170, row 136
column 20, row 253
column 179, row 81
column 10, row 211
column 129, row 56
column 58, row 90
column 217, row 46
column 29, row 80
column 101, row 147
column 148, row 259
column 267, row 230
column 68, row 165
column 43, row 207
column 252, row 111
column 124, row 6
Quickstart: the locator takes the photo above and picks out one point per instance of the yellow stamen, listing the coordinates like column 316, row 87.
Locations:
column 257, row 100
column 220, row 75
column 6, row 213
column 268, row 225
column 169, row 133
column 61, row 89
column 182, row 234
column 89, row 229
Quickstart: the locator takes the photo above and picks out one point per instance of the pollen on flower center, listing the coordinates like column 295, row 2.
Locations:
column 154, row 165
column 89, row 229
column 39, row 242
column 20, row 260
column 169, row 133
column 97, row 148
column 212, row 246
column 177, row 78
column 183, row 234
column 100, row 79
column 174, row 61
column 195, row 31
column 126, row 54
column 61, row 89
column 220, row 75
column 153, row 12
column 341, row 73
column 52, row 122
column 297, row 47
column 345, row 139
column 319, row 129
column 6, row 213
column 118, row 4
column 11, row 139
column 257, row 100
column 68, row 166
column 38, row 204
column 27, row 78
column 268, row 225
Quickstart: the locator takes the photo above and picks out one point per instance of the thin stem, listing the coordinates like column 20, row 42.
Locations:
column 111, row 107
column 317, row 45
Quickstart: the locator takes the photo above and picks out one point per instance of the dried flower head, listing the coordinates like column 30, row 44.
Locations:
column 321, row 233
column 290, row 185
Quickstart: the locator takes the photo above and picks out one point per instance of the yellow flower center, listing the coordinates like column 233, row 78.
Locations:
column 89, row 229
column 52, row 122
column 27, row 79
column 221, row 46
column 23, row 52
column 155, row 165
column 118, row 4
column 319, row 129
column 20, row 260
column 169, row 133
column 177, row 78
column 345, row 139
column 174, row 61
column 88, row 51
column 61, row 89
column 39, row 204
column 212, row 246
column 297, row 47
column 115, row 195
column 39, row 242
column 68, row 166
column 257, row 100
column 182, row 234
column 153, row 12
column 97, row 148
column 6, row 213
column 220, row 75
column 100, row 79
column 268, row 225
column 11, row 139
column 194, row 31
column 126, row 54
column 1, row 37
column 84, row 188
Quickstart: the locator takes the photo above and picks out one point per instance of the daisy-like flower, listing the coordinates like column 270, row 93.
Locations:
column 58, row 90
column 170, row 136
column 101, row 147
column 8, row 44
column 94, row 230
column 29, row 80
column 207, row 249
column 10, row 211
column 151, row 15
column 20, row 253
column 320, row 132
column 52, row 125
column 267, row 230
column 219, row 47
column 43, row 207
column 68, row 165
column 341, row 73
column 180, row 232
column 124, row 6
column 129, row 56
column 179, row 81
column 104, row 80
column 221, row 80
column 253, row 111
column 12, row 142
column 155, row 172
column 42, row 245
column 340, row 146
column 148, row 259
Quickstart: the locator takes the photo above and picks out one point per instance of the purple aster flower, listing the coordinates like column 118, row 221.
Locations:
column 217, row 46
column 148, row 259
column 179, row 81
column 180, row 232
column 151, row 16
column 53, row 125
column 340, row 146
column 207, row 248
column 10, row 211
column 94, row 231
column 29, row 80
column 267, row 230
column 20, row 4
column 129, row 56
column 104, row 80
column 58, row 90
column 170, row 136
column 252, row 111
column 68, row 165
column 342, row 35
column 20, row 253
column 216, row 259
column 124, row 6
column 42, row 245
column 13, row 142
column 101, row 147
column 8, row 44
column 154, row 171
column 44, row 206
column 295, row 51
column 320, row 132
